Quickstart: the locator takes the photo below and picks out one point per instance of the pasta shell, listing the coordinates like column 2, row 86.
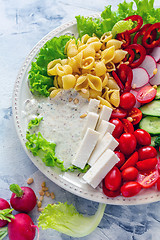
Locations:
column 106, row 37
column 54, row 93
column 84, row 94
column 115, row 98
column 96, row 45
column 104, row 102
column 105, row 80
column 100, row 68
column 112, row 84
column 108, row 54
column 94, row 93
column 94, row 82
column 72, row 49
column 74, row 65
column 88, row 63
column 89, row 51
column 85, row 38
column 119, row 55
column 92, row 39
column 68, row 81
column 55, row 82
column 59, row 81
column 64, row 61
column 63, row 70
column 51, row 89
column 52, row 68
column 110, row 67
column 82, row 47
column 81, row 83
column 114, row 42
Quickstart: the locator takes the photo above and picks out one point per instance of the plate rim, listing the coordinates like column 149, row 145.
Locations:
column 53, row 176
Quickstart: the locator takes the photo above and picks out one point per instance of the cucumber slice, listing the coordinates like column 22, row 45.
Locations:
column 158, row 93
column 151, row 109
column 151, row 125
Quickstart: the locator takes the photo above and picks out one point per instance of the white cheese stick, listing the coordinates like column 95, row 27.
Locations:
column 87, row 145
column 91, row 121
column 107, row 142
column 104, row 114
column 105, row 127
column 99, row 170
column 93, row 105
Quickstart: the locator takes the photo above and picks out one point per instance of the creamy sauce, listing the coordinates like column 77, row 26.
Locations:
column 61, row 122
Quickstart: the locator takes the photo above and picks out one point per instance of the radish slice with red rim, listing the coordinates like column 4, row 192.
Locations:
column 140, row 77
column 156, row 53
column 137, row 104
column 149, row 64
column 155, row 80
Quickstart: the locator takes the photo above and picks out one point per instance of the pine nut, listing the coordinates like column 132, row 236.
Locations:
column 29, row 181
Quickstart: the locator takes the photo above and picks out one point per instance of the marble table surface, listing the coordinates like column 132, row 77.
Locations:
column 22, row 25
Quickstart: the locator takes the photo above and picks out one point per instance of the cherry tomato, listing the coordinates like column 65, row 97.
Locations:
column 127, row 143
column 127, row 100
column 146, row 94
column 147, row 164
column 128, row 126
column 118, row 127
column 147, row 152
column 129, row 174
column 136, row 115
column 143, row 137
column 131, row 161
column 119, row 113
column 113, row 179
column 149, row 180
column 158, row 184
column 110, row 193
column 130, row 189
column 121, row 157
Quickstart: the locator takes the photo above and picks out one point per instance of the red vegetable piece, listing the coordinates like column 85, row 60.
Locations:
column 118, row 81
column 146, row 94
column 131, row 161
column 128, row 83
column 130, row 189
column 141, row 32
column 139, row 21
column 113, row 179
column 125, row 37
column 127, row 143
column 147, row 164
column 143, row 137
column 136, row 115
column 147, row 152
column 126, row 75
column 110, row 193
column 148, row 34
column 130, row 56
column 118, row 127
column 3, row 205
column 127, row 100
column 138, row 49
column 119, row 113
column 129, row 174
column 149, row 180
column 128, row 126
column 158, row 184
column 121, row 157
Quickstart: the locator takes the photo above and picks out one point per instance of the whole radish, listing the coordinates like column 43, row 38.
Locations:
column 3, row 205
column 21, row 228
column 23, row 199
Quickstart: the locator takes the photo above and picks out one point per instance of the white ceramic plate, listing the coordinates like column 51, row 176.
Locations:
column 69, row 181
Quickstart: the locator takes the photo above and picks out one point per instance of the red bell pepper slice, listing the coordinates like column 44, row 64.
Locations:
column 126, row 75
column 138, row 49
column 118, row 81
column 141, row 32
column 128, row 83
column 131, row 56
column 125, row 38
column 139, row 21
column 148, row 35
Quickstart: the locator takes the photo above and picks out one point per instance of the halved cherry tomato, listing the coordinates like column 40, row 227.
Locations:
column 148, row 34
column 146, row 94
column 131, row 161
column 149, row 180
column 121, row 157
column 136, row 115
column 129, row 174
column 128, row 126
column 119, row 113
column 130, row 189
column 110, row 193
column 147, row 152
column 139, row 21
column 127, row 143
column 158, row 184
column 147, row 164
column 127, row 100
column 143, row 137
column 118, row 127
column 113, row 179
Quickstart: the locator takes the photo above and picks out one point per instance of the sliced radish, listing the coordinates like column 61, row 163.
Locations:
column 140, row 77
column 155, row 80
column 137, row 104
column 149, row 64
column 156, row 53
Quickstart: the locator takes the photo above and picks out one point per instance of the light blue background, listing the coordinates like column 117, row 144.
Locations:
column 22, row 25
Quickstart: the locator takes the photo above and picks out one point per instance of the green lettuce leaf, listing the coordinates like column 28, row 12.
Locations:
column 121, row 26
column 39, row 81
column 34, row 122
column 65, row 218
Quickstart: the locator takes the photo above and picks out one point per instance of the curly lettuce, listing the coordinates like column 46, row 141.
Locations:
column 39, row 81
column 65, row 218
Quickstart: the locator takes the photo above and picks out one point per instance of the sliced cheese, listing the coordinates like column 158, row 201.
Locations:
column 87, row 145
column 107, row 142
column 105, row 127
column 93, row 105
column 91, row 121
column 99, row 170
column 104, row 114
